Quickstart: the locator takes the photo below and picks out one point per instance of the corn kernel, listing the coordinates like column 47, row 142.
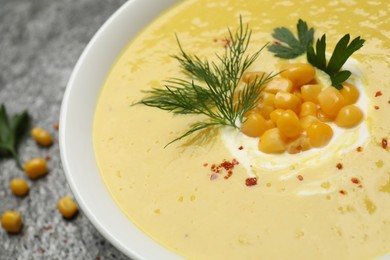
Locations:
column 272, row 142
column 276, row 114
column 269, row 124
column 267, row 99
column 310, row 92
column 349, row 116
column 298, row 94
column 322, row 117
column 289, row 125
column 41, row 136
column 278, row 84
column 331, row 101
column 308, row 109
column 19, row 187
column 265, row 111
column 285, row 100
column 300, row 144
column 307, row 121
column 254, row 125
column 298, row 73
column 350, row 93
column 35, row 168
column 67, row 207
column 319, row 134
column 12, row 222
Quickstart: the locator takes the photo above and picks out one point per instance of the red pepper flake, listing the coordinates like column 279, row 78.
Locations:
column 359, row 149
column 277, row 43
column 378, row 94
column 56, row 126
column 376, row 107
column 300, row 177
column 355, row 180
column 342, row 192
column 205, row 164
column 226, row 165
column 228, row 175
column 251, row 181
column 384, row 143
column 241, row 147
column 47, row 157
column 339, row 166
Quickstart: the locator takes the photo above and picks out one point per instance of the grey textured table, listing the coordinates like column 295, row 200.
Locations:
column 40, row 42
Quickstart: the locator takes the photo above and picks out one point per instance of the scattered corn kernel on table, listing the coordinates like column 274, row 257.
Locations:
column 40, row 43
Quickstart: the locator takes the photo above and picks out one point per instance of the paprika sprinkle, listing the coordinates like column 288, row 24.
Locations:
column 251, row 181
column 384, row 143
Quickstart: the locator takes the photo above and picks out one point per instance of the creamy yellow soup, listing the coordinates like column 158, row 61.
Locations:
column 301, row 210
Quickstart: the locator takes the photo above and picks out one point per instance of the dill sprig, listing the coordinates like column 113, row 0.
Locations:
column 214, row 87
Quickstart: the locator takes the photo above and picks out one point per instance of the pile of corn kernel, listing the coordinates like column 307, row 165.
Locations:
column 295, row 110
column 12, row 221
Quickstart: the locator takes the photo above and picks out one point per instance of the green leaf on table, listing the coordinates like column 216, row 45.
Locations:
column 11, row 131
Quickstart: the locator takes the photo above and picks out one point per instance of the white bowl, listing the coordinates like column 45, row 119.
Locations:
column 76, row 122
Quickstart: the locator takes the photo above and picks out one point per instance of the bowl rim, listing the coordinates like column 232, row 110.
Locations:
column 75, row 130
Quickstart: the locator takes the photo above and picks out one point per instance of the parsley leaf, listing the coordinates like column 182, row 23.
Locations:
column 11, row 130
column 288, row 46
column 343, row 50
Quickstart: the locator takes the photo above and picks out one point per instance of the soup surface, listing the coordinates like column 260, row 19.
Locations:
column 336, row 207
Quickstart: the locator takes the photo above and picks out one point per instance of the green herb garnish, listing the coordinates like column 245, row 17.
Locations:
column 343, row 50
column 213, row 90
column 288, row 46
column 11, row 131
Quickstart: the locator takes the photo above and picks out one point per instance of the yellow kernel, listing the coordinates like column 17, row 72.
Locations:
column 269, row 124
column 41, row 136
column 272, row 142
column 349, row 116
column 250, row 76
column 297, row 93
column 265, row 111
column 254, row 125
column 19, row 187
column 278, row 84
column 322, row 117
column 285, row 100
column 12, row 222
column 267, row 99
column 350, row 93
column 331, row 101
column 276, row 114
column 298, row 73
column 306, row 121
column 300, row 144
column 310, row 92
column 67, row 207
column 319, row 134
column 35, row 168
column 289, row 125
column 308, row 109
